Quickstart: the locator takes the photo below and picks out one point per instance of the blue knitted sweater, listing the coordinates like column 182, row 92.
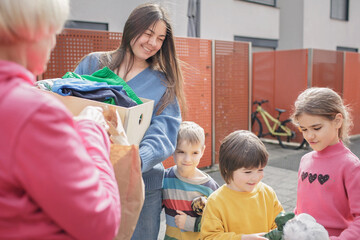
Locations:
column 159, row 141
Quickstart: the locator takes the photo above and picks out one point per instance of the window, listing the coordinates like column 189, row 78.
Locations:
column 264, row 2
column 258, row 42
column 346, row 49
column 87, row 25
column 339, row 10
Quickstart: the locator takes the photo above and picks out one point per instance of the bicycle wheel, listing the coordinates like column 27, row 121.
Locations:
column 295, row 141
column 304, row 144
column 256, row 126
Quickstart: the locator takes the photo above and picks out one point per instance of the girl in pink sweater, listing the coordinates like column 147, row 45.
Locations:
column 56, row 179
column 329, row 176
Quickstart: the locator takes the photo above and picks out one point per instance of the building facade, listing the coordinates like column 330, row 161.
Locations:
column 268, row 24
column 322, row 24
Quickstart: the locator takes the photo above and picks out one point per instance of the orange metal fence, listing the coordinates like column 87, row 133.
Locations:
column 231, row 89
column 328, row 69
column 280, row 76
column 196, row 57
column 72, row 45
column 263, row 83
column 339, row 71
column 351, row 88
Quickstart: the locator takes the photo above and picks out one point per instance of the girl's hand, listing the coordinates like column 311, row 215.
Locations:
column 255, row 236
column 180, row 219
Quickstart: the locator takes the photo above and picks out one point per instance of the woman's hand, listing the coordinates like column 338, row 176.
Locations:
column 94, row 114
column 180, row 219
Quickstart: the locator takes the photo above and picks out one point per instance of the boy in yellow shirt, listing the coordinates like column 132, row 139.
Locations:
column 243, row 208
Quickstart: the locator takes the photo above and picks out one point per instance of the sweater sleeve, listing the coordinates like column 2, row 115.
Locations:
column 352, row 185
column 89, row 64
column 66, row 170
column 212, row 226
column 159, row 141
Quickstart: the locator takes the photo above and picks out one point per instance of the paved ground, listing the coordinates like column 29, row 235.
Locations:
column 280, row 173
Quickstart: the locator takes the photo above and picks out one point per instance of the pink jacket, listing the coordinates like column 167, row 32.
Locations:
column 56, row 180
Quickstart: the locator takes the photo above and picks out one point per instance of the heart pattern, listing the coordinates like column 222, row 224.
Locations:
column 304, row 175
column 323, row 178
column 313, row 176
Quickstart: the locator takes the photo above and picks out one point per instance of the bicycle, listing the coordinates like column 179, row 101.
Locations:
column 278, row 129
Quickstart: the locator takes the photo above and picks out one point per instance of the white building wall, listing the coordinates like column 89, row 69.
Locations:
column 112, row 12
column 224, row 19
column 220, row 20
column 116, row 12
column 295, row 23
column 291, row 24
column 320, row 31
column 178, row 14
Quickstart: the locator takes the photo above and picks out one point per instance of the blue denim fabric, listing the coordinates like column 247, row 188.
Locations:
column 148, row 225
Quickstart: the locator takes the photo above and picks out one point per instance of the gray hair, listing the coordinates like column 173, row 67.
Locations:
column 30, row 20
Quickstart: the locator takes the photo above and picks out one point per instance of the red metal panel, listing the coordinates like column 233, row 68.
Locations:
column 73, row 44
column 263, row 85
column 279, row 77
column 351, row 88
column 328, row 69
column 231, row 89
column 291, row 78
column 195, row 55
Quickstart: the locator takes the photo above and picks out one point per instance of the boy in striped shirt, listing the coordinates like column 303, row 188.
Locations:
column 184, row 182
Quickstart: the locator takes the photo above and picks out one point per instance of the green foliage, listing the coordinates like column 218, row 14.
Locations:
column 280, row 220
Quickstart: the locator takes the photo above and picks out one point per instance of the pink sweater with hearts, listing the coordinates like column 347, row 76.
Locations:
column 329, row 190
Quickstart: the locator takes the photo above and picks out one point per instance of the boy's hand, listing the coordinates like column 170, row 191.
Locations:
column 180, row 219
column 256, row 236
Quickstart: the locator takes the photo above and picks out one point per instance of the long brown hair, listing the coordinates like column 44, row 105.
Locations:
column 165, row 60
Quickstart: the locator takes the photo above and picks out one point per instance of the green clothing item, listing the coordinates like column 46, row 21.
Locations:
column 109, row 77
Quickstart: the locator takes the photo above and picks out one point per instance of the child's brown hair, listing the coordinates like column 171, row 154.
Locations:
column 323, row 102
column 241, row 149
column 191, row 132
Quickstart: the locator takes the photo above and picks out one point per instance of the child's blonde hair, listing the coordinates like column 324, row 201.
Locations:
column 241, row 149
column 323, row 102
column 30, row 20
column 191, row 132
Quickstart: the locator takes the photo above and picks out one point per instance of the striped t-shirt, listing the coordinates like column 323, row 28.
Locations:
column 178, row 194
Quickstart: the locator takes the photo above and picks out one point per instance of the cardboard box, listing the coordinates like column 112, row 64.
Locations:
column 135, row 120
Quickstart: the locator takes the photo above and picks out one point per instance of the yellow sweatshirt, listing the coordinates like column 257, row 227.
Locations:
column 229, row 214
